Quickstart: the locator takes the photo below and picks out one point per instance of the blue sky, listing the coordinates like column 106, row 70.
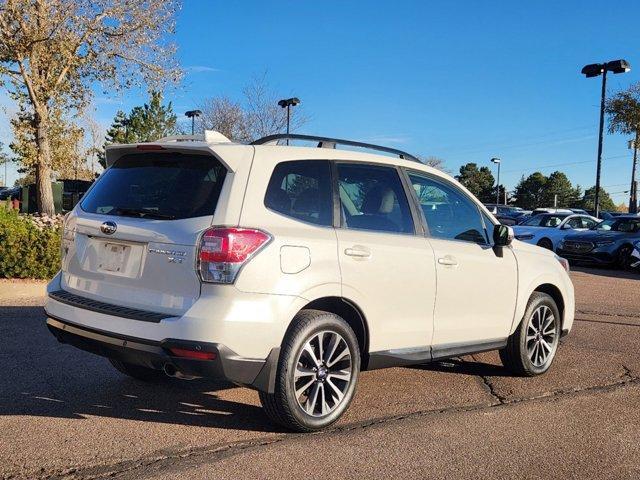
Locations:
column 464, row 81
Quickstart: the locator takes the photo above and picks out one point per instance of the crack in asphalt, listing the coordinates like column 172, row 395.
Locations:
column 489, row 387
column 608, row 314
column 624, row 324
column 181, row 459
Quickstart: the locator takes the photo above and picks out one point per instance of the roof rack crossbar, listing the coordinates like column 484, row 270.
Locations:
column 334, row 141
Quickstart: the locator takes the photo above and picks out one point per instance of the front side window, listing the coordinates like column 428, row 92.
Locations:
column 449, row 213
column 575, row 222
column 372, row 198
column 301, row 189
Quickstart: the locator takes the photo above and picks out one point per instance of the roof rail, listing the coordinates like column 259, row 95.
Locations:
column 328, row 142
column 210, row 136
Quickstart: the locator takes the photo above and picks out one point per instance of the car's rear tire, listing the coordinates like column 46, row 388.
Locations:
column 546, row 243
column 317, row 373
column 530, row 350
column 138, row 372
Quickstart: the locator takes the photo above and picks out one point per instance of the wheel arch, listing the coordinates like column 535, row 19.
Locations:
column 352, row 314
column 555, row 293
column 546, row 239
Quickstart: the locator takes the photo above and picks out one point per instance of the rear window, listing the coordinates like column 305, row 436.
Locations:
column 301, row 189
column 158, row 185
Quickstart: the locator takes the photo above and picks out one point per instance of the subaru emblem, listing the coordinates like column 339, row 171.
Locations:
column 108, row 228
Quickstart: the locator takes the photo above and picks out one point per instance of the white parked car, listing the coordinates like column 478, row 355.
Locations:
column 548, row 229
column 292, row 269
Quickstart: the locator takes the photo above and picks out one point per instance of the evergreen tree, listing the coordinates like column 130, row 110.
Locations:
column 145, row 123
column 530, row 191
column 606, row 203
column 478, row 181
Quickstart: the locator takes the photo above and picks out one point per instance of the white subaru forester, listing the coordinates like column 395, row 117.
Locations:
column 291, row 269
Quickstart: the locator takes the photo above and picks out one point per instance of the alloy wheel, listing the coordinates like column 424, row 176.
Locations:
column 542, row 337
column 323, row 373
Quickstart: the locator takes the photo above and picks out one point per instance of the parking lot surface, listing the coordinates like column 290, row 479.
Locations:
column 65, row 413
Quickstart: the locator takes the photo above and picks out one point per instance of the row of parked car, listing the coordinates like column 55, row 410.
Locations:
column 577, row 235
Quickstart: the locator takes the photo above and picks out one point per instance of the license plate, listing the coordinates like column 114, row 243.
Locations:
column 113, row 257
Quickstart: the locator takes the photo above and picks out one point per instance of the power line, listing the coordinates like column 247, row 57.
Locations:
column 560, row 165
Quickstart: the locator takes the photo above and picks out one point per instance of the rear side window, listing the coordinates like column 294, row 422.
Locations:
column 158, row 185
column 373, row 198
column 302, row 190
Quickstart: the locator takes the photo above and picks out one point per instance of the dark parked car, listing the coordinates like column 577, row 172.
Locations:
column 72, row 192
column 10, row 193
column 608, row 243
column 504, row 210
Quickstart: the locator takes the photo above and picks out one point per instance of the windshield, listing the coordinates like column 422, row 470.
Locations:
column 158, row 185
column 628, row 225
column 545, row 221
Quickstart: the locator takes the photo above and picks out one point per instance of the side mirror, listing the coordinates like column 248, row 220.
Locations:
column 502, row 235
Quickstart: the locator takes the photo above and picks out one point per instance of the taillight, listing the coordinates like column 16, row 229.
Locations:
column 223, row 251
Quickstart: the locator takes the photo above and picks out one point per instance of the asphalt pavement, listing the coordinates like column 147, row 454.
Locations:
column 68, row 414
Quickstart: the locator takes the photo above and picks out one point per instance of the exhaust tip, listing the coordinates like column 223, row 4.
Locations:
column 170, row 370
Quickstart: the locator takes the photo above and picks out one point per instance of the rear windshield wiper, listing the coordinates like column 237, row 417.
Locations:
column 142, row 212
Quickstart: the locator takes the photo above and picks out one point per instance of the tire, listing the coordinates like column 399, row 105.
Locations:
column 138, row 372
column 546, row 243
column 332, row 384
column 624, row 257
column 521, row 355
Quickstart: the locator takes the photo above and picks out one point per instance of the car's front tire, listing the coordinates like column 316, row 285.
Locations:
column 624, row 257
column 317, row 373
column 138, row 372
column 532, row 347
column 546, row 243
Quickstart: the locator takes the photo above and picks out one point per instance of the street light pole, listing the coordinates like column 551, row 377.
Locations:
column 633, row 192
column 498, row 162
column 594, row 70
column 600, row 139
column 288, row 103
column 192, row 114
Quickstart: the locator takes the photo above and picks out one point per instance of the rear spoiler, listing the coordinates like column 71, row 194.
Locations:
column 181, row 143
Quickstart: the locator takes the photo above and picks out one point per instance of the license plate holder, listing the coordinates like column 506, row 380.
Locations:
column 113, row 257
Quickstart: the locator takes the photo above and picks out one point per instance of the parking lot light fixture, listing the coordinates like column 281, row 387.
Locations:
column 288, row 103
column 497, row 161
column 192, row 114
column 594, row 70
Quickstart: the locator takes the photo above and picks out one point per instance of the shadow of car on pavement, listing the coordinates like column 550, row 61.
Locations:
column 45, row 378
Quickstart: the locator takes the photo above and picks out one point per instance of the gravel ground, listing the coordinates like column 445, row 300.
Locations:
column 67, row 414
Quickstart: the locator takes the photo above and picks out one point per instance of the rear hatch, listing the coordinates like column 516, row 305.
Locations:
column 132, row 240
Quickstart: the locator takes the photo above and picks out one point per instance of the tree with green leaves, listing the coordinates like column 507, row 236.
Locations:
column 623, row 111
column 55, row 51
column 530, row 191
column 558, row 191
column 145, row 123
column 605, row 201
column 65, row 139
column 478, row 181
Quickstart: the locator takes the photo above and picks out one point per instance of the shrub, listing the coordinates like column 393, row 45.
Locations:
column 28, row 249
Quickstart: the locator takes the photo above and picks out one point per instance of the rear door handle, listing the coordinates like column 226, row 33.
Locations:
column 448, row 260
column 358, row 252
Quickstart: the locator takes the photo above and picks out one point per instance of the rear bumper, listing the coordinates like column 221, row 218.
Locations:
column 226, row 365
